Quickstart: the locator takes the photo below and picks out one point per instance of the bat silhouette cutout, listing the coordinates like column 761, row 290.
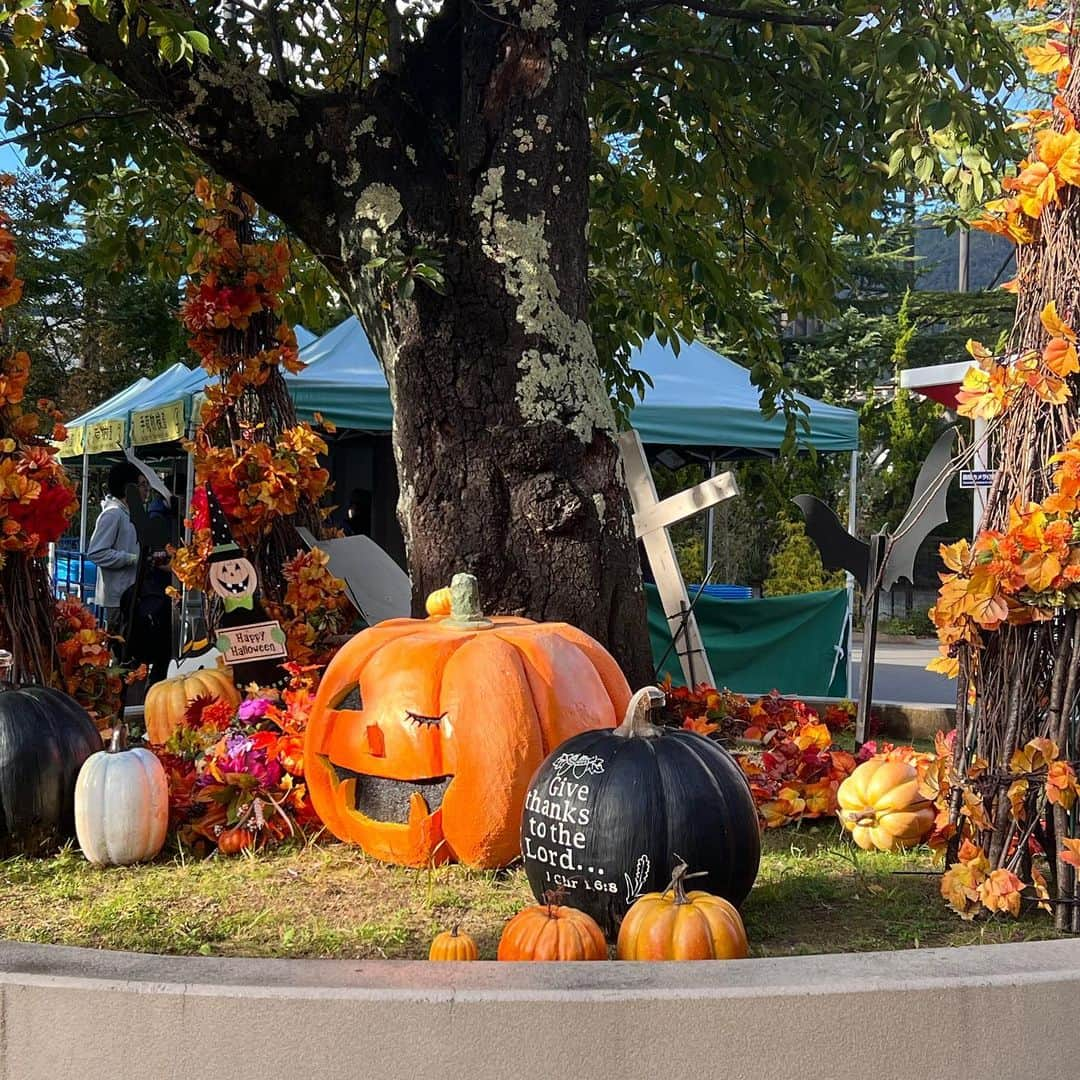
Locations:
column 842, row 551
column 839, row 549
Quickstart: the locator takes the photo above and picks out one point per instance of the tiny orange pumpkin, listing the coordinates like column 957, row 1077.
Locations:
column 550, row 932
column 881, row 807
column 453, row 945
column 233, row 841
column 681, row 925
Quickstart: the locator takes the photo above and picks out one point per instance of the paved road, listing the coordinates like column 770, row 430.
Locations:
column 900, row 675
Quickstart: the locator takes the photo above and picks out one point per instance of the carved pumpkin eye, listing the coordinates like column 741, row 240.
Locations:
column 424, row 721
column 350, row 700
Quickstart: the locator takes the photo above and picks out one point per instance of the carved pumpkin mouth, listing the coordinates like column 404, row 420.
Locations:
column 384, row 799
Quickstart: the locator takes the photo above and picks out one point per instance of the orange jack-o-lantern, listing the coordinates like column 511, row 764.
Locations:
column 425, row 732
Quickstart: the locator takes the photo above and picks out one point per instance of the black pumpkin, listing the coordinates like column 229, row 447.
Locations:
column 45, row 736
column 609, row 813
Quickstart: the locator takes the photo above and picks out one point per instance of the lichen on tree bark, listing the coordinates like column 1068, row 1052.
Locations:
column 503, row 432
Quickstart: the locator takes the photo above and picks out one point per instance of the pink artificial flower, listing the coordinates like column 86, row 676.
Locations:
column 253, row 709
column 866, row 751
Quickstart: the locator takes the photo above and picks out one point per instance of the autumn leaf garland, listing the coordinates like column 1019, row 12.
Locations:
column 259, row 476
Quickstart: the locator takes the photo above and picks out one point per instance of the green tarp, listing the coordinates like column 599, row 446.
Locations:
column 785, row 643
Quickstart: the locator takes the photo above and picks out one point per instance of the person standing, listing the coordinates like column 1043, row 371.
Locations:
column 114, row 546
column 150, row 636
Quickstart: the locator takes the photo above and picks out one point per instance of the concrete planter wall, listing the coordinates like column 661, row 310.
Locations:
column 77, row 1014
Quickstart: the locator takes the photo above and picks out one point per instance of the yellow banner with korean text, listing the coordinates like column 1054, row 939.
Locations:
column 162, row 423
column 72, row 446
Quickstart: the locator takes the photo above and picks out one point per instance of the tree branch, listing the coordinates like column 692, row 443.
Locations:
column 778, row 16
column 253, row 130
column 393, row 35
column 75, row 121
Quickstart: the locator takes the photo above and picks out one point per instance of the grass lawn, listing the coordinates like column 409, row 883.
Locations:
column 816, row 893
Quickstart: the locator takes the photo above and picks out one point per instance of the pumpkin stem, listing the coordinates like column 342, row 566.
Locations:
column 119, row 738
column 553, row 898
column 636, row 724
column 465, row 611
column 454, row 929
column 678, row 876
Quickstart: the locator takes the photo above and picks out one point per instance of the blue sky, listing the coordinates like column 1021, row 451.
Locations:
column 11, row 159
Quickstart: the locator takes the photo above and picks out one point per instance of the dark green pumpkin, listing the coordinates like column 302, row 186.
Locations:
column 45, row 736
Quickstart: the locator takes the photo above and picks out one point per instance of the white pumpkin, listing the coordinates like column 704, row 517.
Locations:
column 121, row 804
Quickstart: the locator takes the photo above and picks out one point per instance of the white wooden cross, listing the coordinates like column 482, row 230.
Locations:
column 652, row 519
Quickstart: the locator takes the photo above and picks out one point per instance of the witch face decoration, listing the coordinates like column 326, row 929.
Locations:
column 235, row 581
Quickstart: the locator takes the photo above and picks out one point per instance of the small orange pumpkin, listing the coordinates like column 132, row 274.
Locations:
column 881, row 807
column 681, row 925
column 233, row 841
column 167, row 701
column 550, row 932
column 453, row 945
column 425, row 732
column 438, row 603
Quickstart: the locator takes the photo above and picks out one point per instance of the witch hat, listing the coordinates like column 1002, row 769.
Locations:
column 224, row 546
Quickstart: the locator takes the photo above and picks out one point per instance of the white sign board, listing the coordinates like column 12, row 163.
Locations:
column 256, row 641
column 977, row 478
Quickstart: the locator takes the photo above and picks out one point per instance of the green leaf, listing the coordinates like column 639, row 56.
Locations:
column 170, row 46
column 937, row 114
column 198, row 41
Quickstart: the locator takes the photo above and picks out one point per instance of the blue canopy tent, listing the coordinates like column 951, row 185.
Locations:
column 116, row 412
column 176, row 385
column 103, row 429
column 112, row 405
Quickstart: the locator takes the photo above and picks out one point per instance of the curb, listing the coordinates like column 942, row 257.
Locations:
column 133, row 1015
column 903, row 719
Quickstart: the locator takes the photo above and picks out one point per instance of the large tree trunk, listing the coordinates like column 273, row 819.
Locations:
column 468, row 154
column 504, row 434
column 536, row 509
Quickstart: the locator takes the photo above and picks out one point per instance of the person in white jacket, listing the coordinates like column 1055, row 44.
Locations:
column 114, row 547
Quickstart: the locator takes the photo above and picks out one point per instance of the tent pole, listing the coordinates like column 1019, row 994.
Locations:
column 710, row 522
column 83, row 510
column 852, row 514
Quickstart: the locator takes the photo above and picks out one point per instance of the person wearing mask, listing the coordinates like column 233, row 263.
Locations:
column 114, row 546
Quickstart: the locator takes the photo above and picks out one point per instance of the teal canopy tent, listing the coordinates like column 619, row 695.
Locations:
column 343, row 381
column 698, row 398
